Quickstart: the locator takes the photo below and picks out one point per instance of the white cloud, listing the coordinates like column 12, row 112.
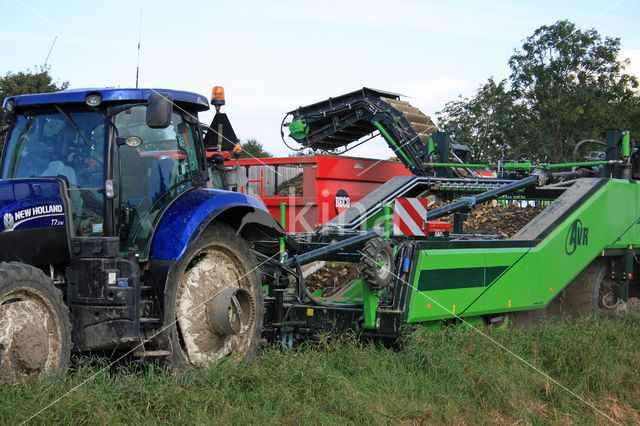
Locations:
column 431, row 96
column 634, row 55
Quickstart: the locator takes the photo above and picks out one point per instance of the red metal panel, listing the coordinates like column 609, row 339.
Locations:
column 323, row 178
column 301, row 213
column 359, row 169
column 273, row 161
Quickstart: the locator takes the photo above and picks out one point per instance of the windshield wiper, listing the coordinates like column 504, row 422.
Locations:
column 73, row 124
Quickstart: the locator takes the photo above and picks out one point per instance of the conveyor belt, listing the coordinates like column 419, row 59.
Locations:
column 339, row 121
column 554, row 215
column 420, row 122
column 406, row 186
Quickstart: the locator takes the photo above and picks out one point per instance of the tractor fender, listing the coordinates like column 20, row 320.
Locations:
column 191, row 214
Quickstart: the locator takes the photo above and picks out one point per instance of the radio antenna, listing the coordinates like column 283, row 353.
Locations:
column 49, row 54
column 138, row 62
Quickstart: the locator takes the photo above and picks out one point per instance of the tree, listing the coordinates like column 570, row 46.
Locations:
column 29, row 82
column 303, row 153
column 253, row 149
column 566, row 85
column 26, row 82
column 486, row 122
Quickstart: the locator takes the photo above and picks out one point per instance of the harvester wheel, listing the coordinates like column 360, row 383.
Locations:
column 377, row 263
column 214, row 301
column 592, row 292
column 35, row 332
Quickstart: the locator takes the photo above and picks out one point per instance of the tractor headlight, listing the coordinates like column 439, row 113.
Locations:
column 10, row 105
column 93, row 99
column 108, row 189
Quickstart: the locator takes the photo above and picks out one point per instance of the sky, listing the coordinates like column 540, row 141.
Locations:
column 273, row 56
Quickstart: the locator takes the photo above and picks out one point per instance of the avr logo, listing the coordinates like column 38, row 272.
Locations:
column 578, row 235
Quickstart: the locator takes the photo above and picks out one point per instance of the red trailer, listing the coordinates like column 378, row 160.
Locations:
column 315, row 188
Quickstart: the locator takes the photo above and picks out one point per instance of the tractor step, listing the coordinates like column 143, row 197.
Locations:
column 154, row 353
column 148, row 321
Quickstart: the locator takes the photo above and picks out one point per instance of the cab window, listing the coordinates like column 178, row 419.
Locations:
column 153, row 172
column 48, row 145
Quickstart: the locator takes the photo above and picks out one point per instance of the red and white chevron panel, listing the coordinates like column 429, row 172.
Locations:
column 409, row 216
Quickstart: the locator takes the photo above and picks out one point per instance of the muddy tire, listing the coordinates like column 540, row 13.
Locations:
column 591, row 292
column 35, row 332
column 377, row 263
column 586, row 294
column 213, row 301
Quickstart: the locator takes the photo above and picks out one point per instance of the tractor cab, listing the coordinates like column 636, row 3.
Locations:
column 122, row 156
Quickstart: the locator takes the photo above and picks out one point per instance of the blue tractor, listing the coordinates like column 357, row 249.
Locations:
column 113, row 237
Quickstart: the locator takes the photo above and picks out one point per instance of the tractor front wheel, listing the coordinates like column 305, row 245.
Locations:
column 214, row 301
column 35, row 332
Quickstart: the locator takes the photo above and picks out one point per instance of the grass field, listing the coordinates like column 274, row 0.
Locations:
column 454, row 377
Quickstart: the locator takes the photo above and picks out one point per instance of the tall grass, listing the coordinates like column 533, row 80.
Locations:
column 453, row 377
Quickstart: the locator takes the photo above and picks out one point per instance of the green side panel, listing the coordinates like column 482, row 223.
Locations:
column 431, row 149
column 484, row 281
column 608, row 219
column 354, row 291
column 621, row 198
column 443, row 279
column 448, row 281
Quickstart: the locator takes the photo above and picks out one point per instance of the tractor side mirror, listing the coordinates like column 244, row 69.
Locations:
column 216, row 161
column 159, row 109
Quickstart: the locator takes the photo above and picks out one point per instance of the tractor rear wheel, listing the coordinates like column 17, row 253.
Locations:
column 35, row 332
column 214, row 301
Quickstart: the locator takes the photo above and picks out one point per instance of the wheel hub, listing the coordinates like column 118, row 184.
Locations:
column 232, row 312
column 215, row 308
column 610, row 301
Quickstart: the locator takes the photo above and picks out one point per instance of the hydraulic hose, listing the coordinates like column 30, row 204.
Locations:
column 315, row 301
column 330, row 249
column 318, row 253
column 582, row 142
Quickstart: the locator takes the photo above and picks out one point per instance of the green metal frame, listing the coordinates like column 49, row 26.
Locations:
column 449, row 280
column 462, row 282
column 469, row 281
